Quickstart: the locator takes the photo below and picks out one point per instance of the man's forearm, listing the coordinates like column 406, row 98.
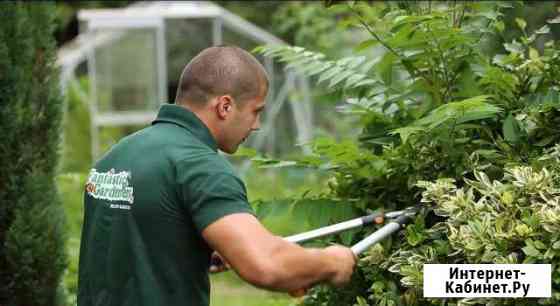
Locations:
column 291, row 267
column 269, row 261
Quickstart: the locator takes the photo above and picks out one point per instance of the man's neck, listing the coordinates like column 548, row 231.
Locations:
column 204, row 115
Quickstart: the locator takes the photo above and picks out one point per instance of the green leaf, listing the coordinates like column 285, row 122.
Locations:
column 339, row 78
column 514, row 47
column 258, row 49
column 243, row 151
column 346, row 60
column 415, row 232
column 545, row 141
column 490, row 154
column 554, row 20
column 279, row 164
column 539, row 245
column 504, row 4
column 402, row 37
column 322, row 212
column 263, row 162
column 353, row 80
column 410, row 54
column 355, row 62
column 522, row 24
column 492, row 15
column 500, row 26
column 530, row 250
column 298, row 63
column 360, row 301
column 406, row 132
column 511, row 129
column 533, row 54
column 329, row 74
column 318, row 68
column 461, row 111
column 385, row 67
column 366, row 44
column 543, row 30
column 365, row 82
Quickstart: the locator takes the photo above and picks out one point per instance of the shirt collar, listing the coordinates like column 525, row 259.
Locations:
column 183, row 117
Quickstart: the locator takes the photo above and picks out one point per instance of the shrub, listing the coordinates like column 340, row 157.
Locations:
column 32, row 257
column 433, row 104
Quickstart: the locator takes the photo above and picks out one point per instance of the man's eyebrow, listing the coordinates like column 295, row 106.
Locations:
column 261, row 107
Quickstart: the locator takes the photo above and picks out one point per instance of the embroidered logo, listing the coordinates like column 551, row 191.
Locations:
column 111, row 186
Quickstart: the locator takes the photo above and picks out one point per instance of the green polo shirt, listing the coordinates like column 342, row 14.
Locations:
column 146, row 203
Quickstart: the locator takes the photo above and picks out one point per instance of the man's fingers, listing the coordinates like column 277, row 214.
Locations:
column 219, row 268
column 218, row 264
column 213, row 269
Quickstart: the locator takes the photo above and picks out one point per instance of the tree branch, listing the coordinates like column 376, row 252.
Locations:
column 415, row 72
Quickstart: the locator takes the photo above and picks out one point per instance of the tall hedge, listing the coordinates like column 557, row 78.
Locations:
column 446, row 123
column 32, row 255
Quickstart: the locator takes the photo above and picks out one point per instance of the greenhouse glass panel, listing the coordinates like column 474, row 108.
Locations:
column 126, row 79
column 135, row 56
column 185, row 38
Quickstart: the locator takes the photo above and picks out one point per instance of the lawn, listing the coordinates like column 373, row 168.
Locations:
column 228, row 289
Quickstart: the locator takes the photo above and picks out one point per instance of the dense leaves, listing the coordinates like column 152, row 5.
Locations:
column 436, row 108
column 32, row 255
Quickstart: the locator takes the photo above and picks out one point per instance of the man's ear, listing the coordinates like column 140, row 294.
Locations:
column 224, row 106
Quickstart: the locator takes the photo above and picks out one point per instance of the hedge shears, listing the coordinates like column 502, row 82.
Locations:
column 393, row 220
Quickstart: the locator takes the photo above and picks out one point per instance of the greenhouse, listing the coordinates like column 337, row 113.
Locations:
column 134, row 56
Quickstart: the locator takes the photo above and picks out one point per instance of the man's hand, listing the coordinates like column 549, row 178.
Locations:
column 345, row 261
column 218, row 263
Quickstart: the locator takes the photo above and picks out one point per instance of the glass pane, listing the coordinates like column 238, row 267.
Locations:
column 185, row 38
column 126, row 71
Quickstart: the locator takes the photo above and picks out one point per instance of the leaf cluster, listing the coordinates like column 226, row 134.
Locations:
column 433, row 107
column 32, row 253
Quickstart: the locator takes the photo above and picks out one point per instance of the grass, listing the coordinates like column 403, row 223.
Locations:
column 228, row 289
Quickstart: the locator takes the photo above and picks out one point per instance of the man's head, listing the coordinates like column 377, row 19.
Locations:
column 226, row 88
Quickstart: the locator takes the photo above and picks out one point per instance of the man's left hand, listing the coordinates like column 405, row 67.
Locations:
column 218, row 263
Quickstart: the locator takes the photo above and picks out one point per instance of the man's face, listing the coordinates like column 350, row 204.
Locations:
column 243, row 120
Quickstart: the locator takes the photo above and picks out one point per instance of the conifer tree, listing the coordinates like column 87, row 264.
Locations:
column 32, row 254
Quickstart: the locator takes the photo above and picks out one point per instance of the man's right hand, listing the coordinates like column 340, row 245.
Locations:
column 345, row 261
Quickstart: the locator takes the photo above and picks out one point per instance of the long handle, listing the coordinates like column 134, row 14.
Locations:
column 380, row 234
column 343, row 226
column 370, row 240
column 335, row 228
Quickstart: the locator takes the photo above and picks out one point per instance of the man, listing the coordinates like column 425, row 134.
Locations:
column 162, row 200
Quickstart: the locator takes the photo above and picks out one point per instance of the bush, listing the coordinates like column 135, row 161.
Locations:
column 32, row 256
column 433, row 104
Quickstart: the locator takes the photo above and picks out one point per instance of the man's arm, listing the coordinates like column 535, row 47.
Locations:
column 270, row 262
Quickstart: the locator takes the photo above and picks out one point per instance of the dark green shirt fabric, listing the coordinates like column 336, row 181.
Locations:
column 146, row 203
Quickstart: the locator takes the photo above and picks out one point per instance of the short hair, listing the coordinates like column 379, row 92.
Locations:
column 221, row 70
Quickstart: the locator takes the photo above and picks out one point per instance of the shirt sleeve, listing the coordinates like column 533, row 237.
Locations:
column 209, row 195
